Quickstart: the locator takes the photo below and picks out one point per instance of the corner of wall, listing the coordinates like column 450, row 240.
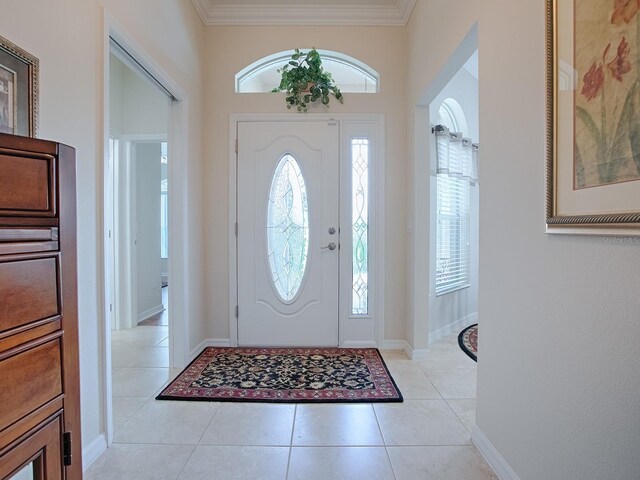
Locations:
column 497, row 463
column 93, row 451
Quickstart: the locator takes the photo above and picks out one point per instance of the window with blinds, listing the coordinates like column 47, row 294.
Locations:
column 456, row 171
column 452, row 237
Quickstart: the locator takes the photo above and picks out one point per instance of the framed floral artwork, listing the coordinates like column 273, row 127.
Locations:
column 18, row 90
column 593, row 116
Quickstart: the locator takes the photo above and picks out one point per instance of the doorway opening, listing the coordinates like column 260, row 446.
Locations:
column 454, row 201
column 138, row 129
column 145, row 250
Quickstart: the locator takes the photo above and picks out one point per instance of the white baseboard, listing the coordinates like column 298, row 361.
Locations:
column 492, row 456
column 92, row 451
column 354, row 344
column 208, row 342
column 397, row 345
column 150, row 312
column 412, row 353
column 419, row 354
column 453, row 327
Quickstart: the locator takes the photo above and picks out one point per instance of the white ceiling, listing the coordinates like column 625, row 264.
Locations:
column 305, row 12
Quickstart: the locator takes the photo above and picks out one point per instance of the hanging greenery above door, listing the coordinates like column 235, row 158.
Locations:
column 305, row 81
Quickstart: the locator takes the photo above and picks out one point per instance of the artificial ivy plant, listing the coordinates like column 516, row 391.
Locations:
column 305, row 81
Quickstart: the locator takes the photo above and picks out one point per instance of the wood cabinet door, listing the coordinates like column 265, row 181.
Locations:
column 37, row 457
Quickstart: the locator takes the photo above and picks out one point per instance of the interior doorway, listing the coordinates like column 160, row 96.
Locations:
column 138, row 130
column 145, row 118
column 454, row 199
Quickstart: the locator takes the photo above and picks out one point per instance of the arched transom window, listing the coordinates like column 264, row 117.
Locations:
column 350, row 74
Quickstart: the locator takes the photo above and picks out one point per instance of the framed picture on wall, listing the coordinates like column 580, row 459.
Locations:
column 593, row 117
column 18, row 90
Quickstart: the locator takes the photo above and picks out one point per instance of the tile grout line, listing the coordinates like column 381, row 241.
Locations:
column 198, row 442
column 210, row 421
column 384, row 442
column 455, row 413
column 128, row 417
column 185, row 463
column 293, row 429
column 147, row 398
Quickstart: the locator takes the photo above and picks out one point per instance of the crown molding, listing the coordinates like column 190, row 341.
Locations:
column 375, row 15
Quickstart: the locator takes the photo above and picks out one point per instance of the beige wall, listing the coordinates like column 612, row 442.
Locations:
column 67, row 37
column 560, row 379
column 229, row 49
column 558, row 366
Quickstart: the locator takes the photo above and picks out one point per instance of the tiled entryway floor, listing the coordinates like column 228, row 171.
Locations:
column 426, row 437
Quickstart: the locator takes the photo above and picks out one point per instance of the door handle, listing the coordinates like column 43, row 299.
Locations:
column 331, row 246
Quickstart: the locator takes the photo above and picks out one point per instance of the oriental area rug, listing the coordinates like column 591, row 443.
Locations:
column 285, row 375
column 468, row 341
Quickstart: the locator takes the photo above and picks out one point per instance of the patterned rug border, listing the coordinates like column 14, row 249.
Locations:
column 257, row 350
column 464, row 348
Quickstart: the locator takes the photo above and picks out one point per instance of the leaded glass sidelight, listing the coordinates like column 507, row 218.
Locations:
column 360, row 224
column 287, row 228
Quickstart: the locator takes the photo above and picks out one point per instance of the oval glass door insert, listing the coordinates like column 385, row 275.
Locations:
column 287, row 228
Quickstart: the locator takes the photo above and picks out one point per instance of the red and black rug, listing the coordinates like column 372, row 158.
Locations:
column 468, row 341
column 285, row 375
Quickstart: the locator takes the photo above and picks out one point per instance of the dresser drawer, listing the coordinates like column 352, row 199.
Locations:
column 26, row 185
column 40, row 451
column 28, row 379
column 15, row 240
column 28, row 291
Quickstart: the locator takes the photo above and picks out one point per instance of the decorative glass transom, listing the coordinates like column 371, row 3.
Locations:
column 360, row 224
column 287, row 228
column 350, row 74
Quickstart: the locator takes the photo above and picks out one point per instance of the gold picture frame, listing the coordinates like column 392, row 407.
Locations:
column 18, row 90
column 593, row 117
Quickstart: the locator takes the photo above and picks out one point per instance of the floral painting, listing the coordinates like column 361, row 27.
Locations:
column 607, row 97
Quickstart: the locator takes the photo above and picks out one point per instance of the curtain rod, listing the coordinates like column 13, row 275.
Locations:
column 441, row 128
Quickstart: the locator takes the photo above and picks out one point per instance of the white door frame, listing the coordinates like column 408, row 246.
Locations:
column 178, row 265
column 354, row 331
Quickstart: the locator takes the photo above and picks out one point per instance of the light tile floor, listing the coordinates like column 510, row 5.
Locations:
column 426, row 437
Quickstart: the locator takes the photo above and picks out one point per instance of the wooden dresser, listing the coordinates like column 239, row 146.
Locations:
column 39, row 368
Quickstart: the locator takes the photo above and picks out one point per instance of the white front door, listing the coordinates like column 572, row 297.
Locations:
column 288, row 233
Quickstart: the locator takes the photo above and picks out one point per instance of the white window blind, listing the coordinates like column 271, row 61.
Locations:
column 456, row 172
